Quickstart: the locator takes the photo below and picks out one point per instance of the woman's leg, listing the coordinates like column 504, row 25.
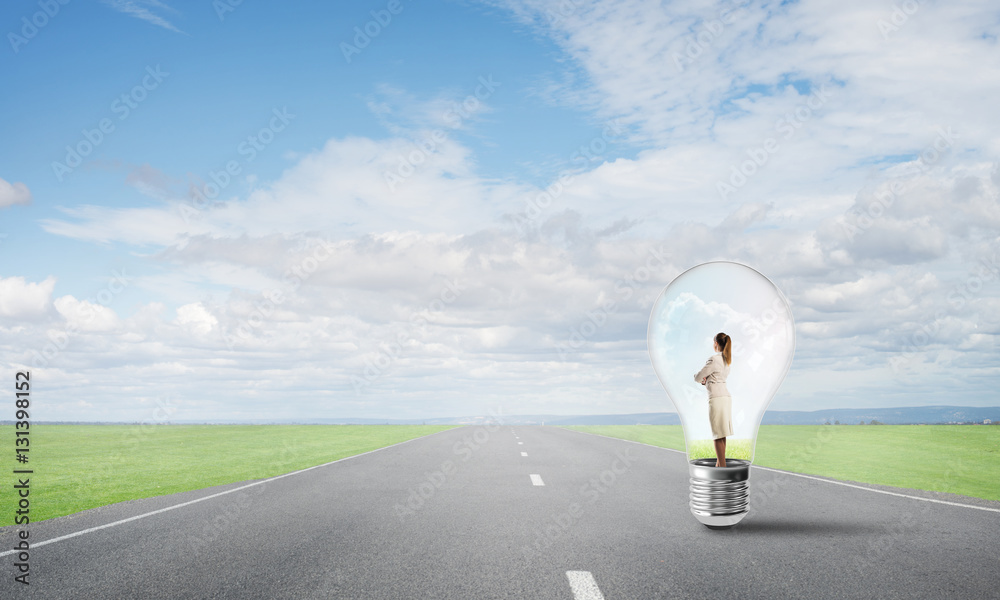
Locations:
column 720, row 452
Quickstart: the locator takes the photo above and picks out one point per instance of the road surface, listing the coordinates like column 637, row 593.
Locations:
column 511, row 512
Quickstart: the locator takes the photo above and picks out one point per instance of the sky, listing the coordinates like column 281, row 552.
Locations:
column 391, row 209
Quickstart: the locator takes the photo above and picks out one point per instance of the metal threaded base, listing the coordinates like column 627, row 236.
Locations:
column 719, row 495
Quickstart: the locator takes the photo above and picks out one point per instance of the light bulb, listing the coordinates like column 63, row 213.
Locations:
column 732, row 298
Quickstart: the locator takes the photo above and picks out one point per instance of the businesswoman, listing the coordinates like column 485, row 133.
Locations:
column 720, row 404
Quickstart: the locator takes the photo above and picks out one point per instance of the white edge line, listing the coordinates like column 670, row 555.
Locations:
column 583, row 585
column 861, row 487
column 833, row 481
column 242, row 487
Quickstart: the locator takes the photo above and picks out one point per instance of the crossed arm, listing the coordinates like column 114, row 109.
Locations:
column 702, row 375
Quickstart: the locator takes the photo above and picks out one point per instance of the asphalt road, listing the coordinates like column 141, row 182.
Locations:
column 460, row 515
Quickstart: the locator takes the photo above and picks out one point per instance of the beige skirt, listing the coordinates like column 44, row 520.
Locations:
column 720, row 415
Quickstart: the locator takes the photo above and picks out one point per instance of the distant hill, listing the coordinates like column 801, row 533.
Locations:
column 846, row 416
column 888, row 416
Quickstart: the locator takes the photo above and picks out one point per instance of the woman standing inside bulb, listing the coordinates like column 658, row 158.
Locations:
column 720, row 403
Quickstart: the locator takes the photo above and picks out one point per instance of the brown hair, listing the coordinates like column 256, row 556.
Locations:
column 726, row 344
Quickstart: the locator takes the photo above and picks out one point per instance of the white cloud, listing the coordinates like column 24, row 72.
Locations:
column 456, row 108
column 428, row 283
column 83, row 315
column 143, row 10
column 21, row 299
column 913, row 81
column 14, row 193
column 339, row 189
column 524, row 293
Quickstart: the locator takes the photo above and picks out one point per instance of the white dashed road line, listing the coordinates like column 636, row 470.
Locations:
column 583, row 585
column 524, row 454
column 519, row 443
column 536, row 479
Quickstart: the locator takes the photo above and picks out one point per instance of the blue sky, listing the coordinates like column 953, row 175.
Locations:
column 444, row 211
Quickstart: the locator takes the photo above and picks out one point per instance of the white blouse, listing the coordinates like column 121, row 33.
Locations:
column 717, row 371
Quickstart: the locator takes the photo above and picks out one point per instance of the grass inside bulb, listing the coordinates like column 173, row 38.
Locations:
column 721, row 296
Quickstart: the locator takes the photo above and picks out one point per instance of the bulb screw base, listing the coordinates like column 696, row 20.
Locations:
column 719, row 495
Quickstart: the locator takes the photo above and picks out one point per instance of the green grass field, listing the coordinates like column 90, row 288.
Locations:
column 735, row 448
column 84, row 466
column 960, row 459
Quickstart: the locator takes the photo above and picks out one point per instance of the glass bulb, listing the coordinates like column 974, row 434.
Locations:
column 713, row 297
